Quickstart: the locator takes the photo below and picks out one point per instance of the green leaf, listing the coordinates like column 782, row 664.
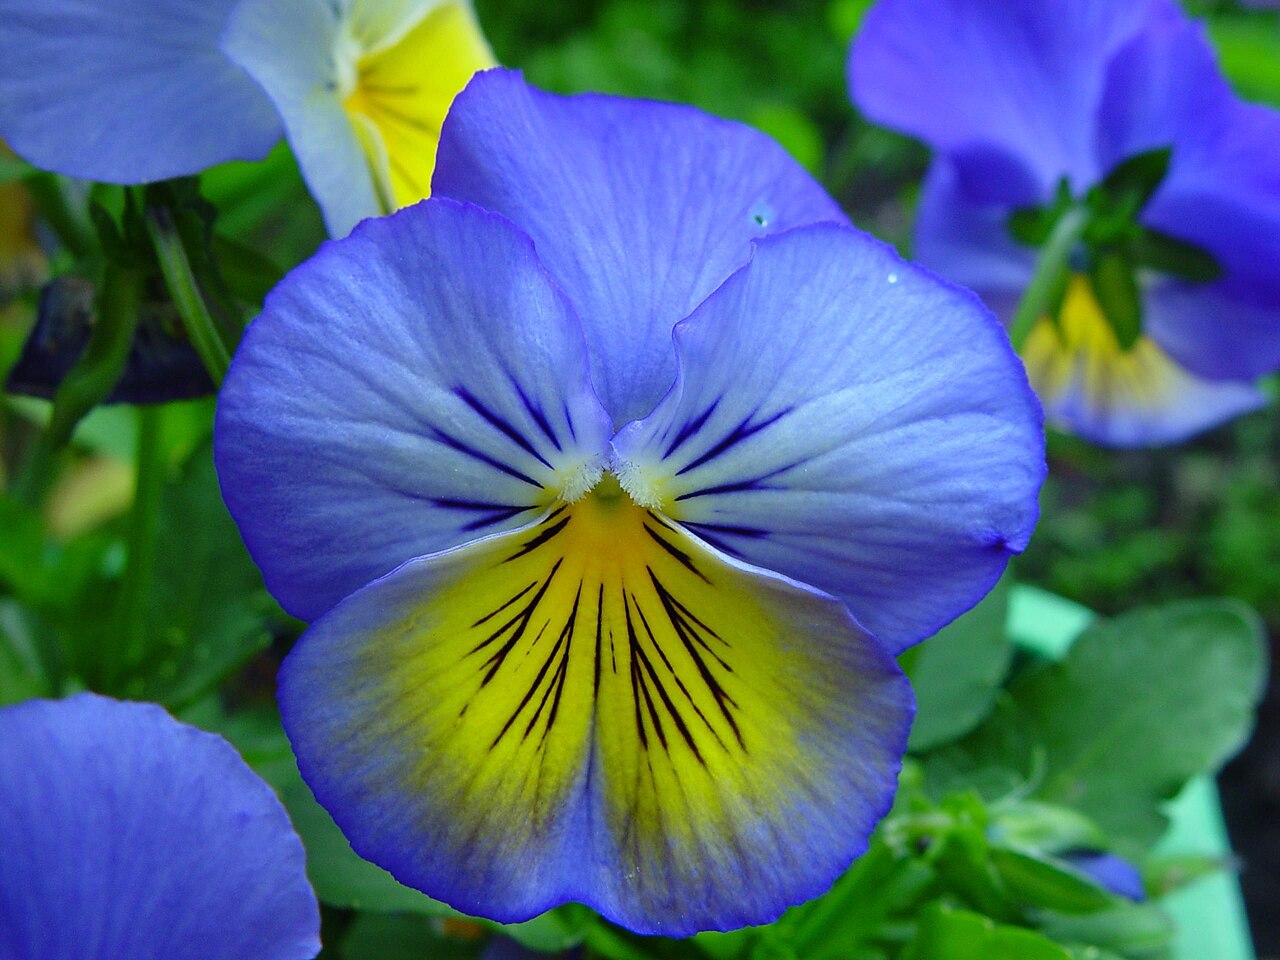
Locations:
column 1135, row 930
column 15, row 168
column 1178, row 258
column 1114, row 284
column 957, row 673
column 1041, row 881
column 208, row 606
column 947, row 933
column 1131, row 182
column 20, row 674
column 1138, row 706
column 374, row 936
column 1044, row 826
column 1249, row 49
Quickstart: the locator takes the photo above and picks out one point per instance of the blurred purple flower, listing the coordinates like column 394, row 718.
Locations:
column 1030, row 105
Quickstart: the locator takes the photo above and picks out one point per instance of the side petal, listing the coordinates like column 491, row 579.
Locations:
column 599, row 708
column 1022, row 76
column 1212, row 333
column 126, row 92
column 124, row 833
column 638, row 209
column 291, row 47
column 1121, row 398
column 409, row 388
column 1222, row 193
column 848, row 420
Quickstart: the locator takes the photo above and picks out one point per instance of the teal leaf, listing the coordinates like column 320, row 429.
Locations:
column 1139, row 705
column 957, row 673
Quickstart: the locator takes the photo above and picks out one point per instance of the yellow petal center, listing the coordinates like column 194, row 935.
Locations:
column 401, row 94
column 1080, row 354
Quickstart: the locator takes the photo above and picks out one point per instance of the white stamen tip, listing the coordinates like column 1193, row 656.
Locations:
column 639, row 487
column 580, row 479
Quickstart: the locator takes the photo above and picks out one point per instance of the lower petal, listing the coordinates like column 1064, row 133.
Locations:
column 1123, row 398
column 599, row 708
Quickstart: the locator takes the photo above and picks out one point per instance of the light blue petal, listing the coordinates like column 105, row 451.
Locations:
column 124, row 833
column 848, row 420
column 638, row 209
column 291, row 48
column 412, row 387
column 1024, row 77
column 599, row 708
column 126, row 92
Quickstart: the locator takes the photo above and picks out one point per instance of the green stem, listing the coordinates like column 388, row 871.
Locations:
column 99, row 368
column 205, row 334
column 144, row 526
column 72, row 229
column 1054, row 257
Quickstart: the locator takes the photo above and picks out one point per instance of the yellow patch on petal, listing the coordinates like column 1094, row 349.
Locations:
column 606, row 642
column 402, row 93
column 1079, row 359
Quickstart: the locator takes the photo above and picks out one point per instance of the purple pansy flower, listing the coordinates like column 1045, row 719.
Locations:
column 1170, row 307
column 124, row 833
column 583, row 476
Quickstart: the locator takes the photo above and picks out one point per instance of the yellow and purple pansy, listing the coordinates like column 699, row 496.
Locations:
column 1170, row 307
column 611, row 479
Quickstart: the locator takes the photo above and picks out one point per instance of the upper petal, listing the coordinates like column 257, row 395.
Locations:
column 1021, row 76
column 638, row 209
column 599, row 708
column 126, row 92
column 409, row 388
column 124, row 833
column 848, row 420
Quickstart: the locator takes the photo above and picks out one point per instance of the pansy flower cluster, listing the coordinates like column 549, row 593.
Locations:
column 1106, row 131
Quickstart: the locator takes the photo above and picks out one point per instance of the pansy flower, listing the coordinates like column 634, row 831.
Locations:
column 135, row 91
column 1116, row 115
column 593, row 601
column 124, row 833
